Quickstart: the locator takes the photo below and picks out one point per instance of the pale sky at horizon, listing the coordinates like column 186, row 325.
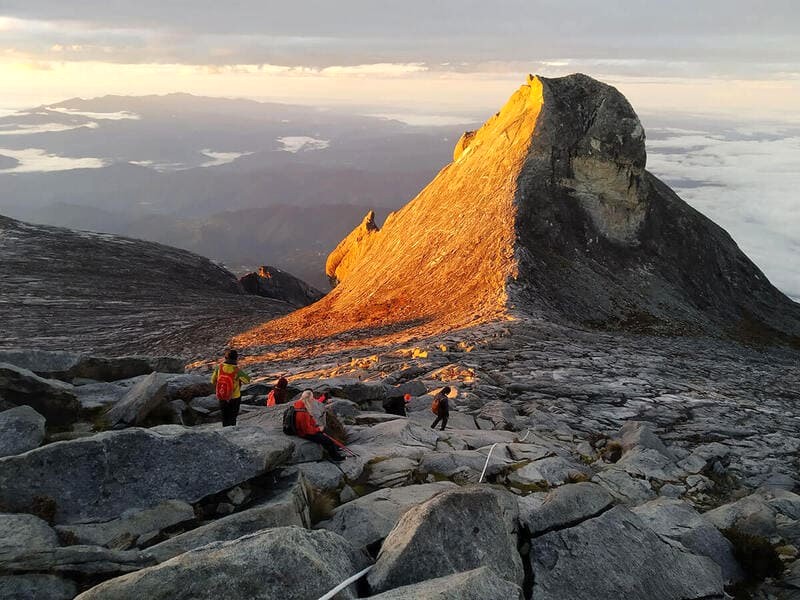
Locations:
column 429, row 55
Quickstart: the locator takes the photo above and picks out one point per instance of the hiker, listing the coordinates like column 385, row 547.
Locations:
column 441, row 407
column 227, row 379
column 309, row 423
column 277, row 395
column 397, row 406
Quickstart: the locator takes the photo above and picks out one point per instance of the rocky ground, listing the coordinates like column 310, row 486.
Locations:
column 576, row 464
column 72, row 290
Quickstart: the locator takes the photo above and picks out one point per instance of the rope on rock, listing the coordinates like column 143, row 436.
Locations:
column 487, row 462
column 345, row 583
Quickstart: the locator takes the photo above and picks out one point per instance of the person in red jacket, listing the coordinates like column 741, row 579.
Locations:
column 309, row 423
column 277, row 394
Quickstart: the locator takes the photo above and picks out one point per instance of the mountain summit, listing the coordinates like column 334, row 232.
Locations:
column 547, row 211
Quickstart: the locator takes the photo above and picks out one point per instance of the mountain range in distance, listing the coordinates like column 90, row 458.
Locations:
column 242, row 182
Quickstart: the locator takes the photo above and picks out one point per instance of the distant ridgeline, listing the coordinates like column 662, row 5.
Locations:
column 546, row 211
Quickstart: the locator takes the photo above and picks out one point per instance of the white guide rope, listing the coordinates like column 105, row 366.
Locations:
column 487, row 462
column 345, row 583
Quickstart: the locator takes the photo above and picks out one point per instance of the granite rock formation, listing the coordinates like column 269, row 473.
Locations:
column 91, row 292
column 271, row 282
column 546, row 211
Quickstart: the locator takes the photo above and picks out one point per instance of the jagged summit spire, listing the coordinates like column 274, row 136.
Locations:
column 546, row 210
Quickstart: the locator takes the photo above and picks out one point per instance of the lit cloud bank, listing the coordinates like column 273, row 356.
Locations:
column 746, row 179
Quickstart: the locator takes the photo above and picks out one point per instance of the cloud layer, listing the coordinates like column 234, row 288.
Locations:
column 745, row 178
column 723, row 37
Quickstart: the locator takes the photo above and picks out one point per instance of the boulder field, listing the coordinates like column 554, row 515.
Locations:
column 519, row 497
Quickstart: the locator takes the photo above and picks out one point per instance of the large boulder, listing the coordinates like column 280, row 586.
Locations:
column 678, row 521
column 625, row 489
column 562, row 507
column 36, row 587
column 547, row 472
column 479, row 584
column 767, row 513
column 100, row 477
column 641, row 435
column 21, row 429
column 187, row 386
column 287, row 506
column 366, row 521
column 463, row 466
column 21, row 534
column 28, row 545
column 131, row 526
column 85, row 561
column 457, row 530
column 286, row 563
column 70, row 365
column 53, row 399
column 138, row 402
column 617, row 551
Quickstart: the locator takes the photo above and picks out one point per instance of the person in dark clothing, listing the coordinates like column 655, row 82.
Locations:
column 277, row 395
column 442, row 408
column 396, row 406
column 234, row 375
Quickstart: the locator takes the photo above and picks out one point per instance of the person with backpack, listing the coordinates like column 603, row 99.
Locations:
column 227, row 380
column 397, row 405
column 441, row 408
column 277, row 394
column 309, row 423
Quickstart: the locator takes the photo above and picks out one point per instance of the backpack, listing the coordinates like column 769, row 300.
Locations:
column 289, row 427
column 435, row 405
column 226, row 383
column 271, row 397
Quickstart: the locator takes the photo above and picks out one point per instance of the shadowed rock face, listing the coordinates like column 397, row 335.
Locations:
column 547, row 211
column 271, row 282
column 601, row 241
column 74, row 290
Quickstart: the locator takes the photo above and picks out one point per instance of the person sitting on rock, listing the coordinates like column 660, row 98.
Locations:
column 309, row 423
column 397, row 405
column 441, row 407
column 228, row 379
column 277, row 395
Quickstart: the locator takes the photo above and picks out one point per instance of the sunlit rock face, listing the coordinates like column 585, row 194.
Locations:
column 350, row 250
column 547, row 211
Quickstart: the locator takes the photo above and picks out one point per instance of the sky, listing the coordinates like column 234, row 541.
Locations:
column 702, row 56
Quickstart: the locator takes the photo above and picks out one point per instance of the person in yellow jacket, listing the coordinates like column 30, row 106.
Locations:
column 228, row 380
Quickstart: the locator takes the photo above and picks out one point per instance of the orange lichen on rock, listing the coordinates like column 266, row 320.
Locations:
column 442, row 261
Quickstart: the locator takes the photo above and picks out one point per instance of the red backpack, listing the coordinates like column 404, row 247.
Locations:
column 271, row 398
column 226, row 383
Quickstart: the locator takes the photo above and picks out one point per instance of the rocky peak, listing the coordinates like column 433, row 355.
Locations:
column 350, row 249
column 271, row 282
column 547, row 211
